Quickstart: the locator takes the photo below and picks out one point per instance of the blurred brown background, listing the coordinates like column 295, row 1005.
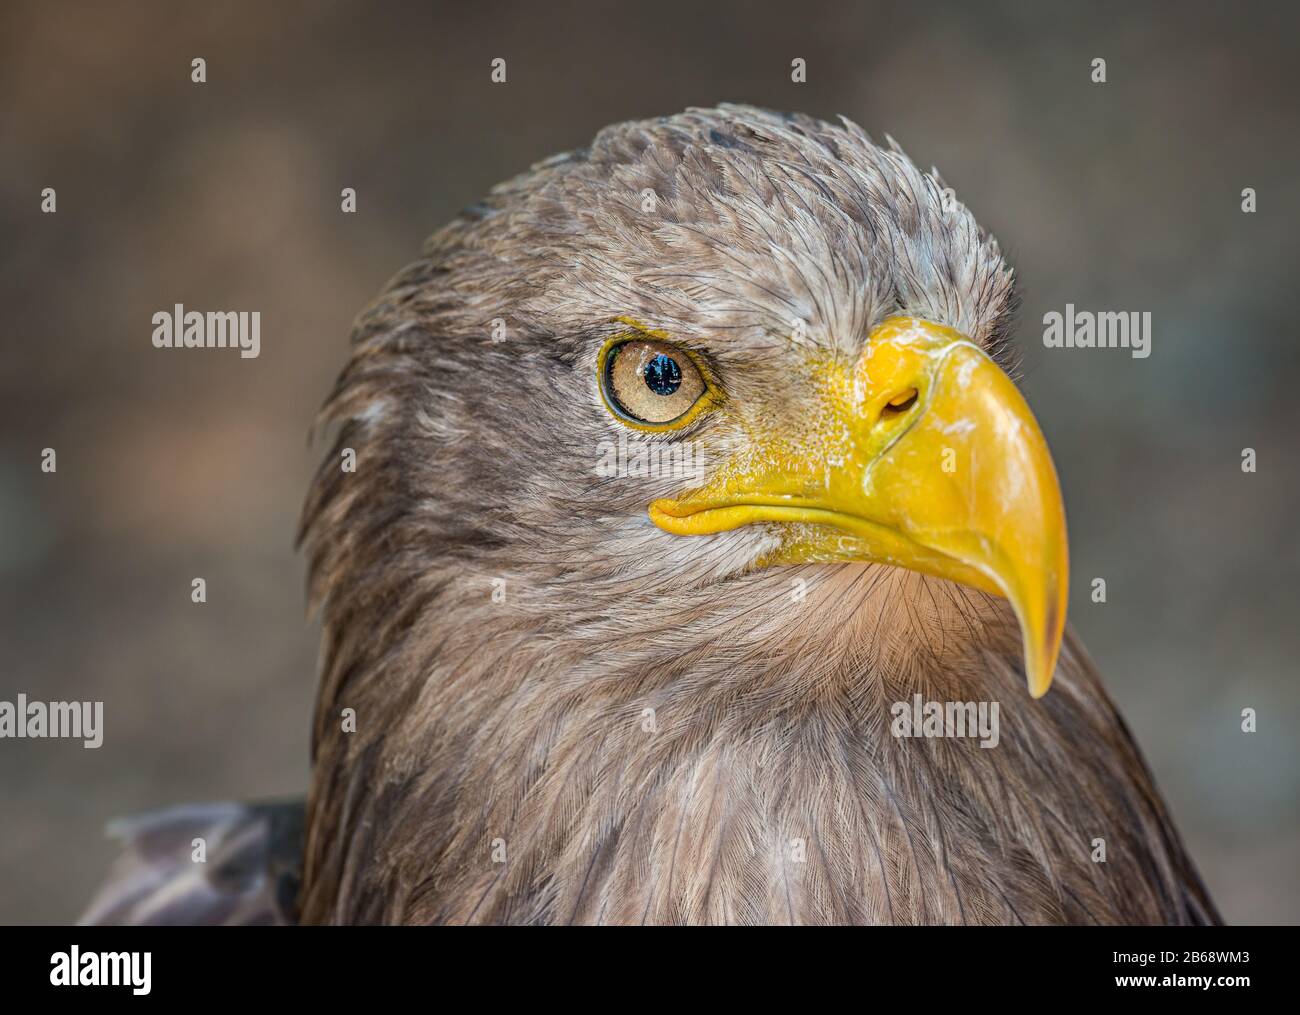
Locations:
column 1122, row 196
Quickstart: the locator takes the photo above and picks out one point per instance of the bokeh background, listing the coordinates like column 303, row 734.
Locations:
column 1123, row 196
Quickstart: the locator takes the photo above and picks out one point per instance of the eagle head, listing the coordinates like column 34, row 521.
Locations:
column 679, row 457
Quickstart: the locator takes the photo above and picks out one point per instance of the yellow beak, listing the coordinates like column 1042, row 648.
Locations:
column 923, row 455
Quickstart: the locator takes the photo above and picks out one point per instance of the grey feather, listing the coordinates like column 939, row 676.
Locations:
column 250, row 875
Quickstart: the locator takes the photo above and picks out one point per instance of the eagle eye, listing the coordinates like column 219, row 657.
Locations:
column 650, row 383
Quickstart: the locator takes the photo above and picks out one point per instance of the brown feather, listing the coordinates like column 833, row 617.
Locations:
column 771, row 789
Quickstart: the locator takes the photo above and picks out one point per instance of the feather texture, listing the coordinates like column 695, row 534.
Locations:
column 249, row 871
column 648, row 729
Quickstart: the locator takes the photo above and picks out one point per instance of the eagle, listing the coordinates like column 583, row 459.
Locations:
column 687, row 553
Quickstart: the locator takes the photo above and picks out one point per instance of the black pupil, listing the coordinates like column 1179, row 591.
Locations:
column 662, row 375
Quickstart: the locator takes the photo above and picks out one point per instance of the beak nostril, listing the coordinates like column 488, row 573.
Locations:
column 899, row 404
